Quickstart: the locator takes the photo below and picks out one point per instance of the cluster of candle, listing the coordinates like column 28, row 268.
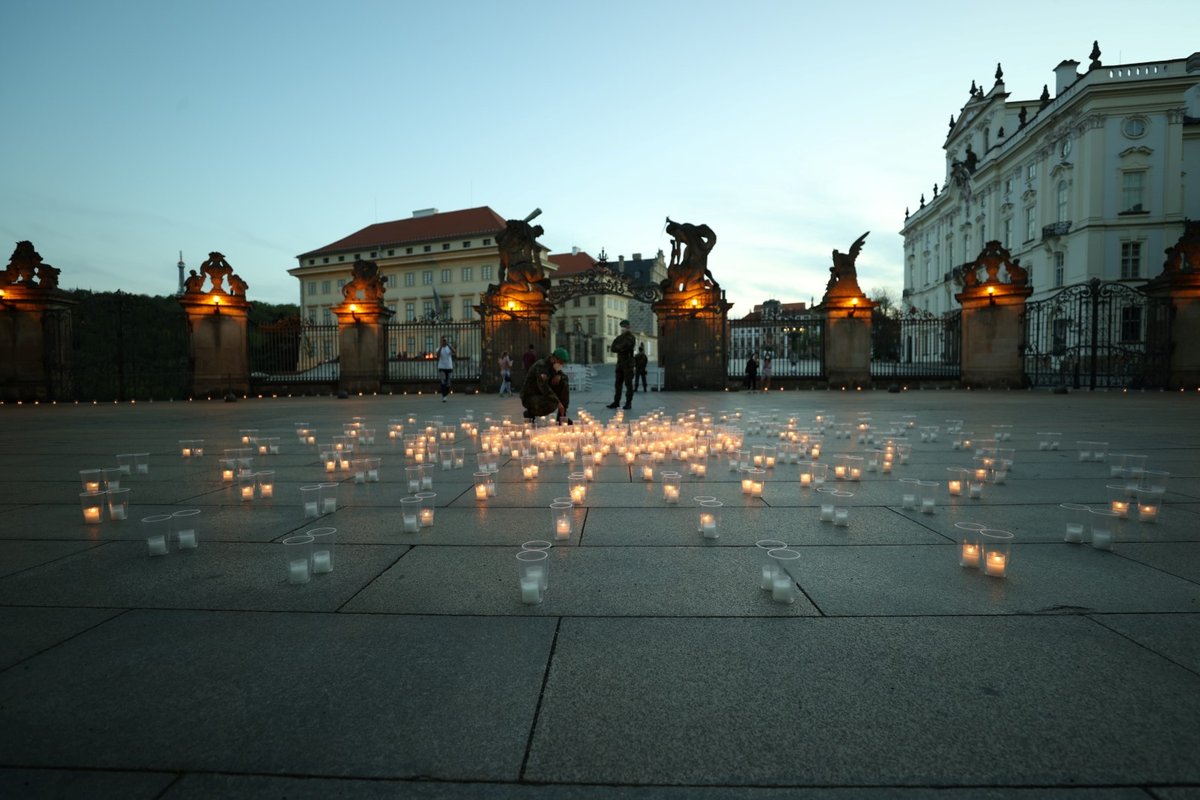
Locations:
column 986, row 548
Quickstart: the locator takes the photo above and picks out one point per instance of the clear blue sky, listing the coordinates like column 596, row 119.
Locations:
column 265, row 128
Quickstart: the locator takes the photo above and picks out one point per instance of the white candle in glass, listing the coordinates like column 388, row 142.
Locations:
column 91, row 514
column 969, row 556
column 995, row 564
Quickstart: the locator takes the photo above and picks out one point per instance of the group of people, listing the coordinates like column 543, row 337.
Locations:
column 547, row 388
column 752, row 373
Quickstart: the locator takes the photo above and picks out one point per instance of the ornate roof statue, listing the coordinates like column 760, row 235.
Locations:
column 216, row 269
column 690, row 247
column 993, row 256
column 1184, row 255
column 26, row 268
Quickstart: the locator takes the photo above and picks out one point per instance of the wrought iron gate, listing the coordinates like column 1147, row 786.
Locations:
column 916, row 345
column 1098, row 335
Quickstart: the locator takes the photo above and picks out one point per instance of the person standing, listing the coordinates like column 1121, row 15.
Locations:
column 752, row 373
column 766, row 372
column 505, row 374
column 445, row 365
column 529, row 357
column 546, row 389
column 623, row 346
column 640, row 364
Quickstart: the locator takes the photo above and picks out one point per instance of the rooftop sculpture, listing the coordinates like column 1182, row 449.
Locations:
column 26, row 268
column 217, row 270
column 843, row 275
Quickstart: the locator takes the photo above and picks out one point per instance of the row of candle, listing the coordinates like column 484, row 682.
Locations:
column 309, row 553
column 986, row 548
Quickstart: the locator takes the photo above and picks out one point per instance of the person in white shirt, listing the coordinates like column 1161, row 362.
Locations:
column 445, row 365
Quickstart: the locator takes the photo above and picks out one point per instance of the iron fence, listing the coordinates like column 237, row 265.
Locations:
column 916, row 345
column 1098, row 335
column 293, row 351
column 412, row 350
column 796, row 346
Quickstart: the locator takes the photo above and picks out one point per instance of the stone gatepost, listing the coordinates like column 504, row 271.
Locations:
column 362, row 331
column 1179, row 283
column 692, row 334
column 848, row 340
column 510, row 325
column 35, row 330
column 218, row 339
column 993, row 320
column 847, row 322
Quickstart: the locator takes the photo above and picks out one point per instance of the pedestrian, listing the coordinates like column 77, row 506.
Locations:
column 640, row 364
column 752, row 374
column 623, row 346
column 766, row 372
column 529, row 357
column 505, row 375
column 445, row 365
column 546, row 389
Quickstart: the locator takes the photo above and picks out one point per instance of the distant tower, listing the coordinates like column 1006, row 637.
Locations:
column 181, row 267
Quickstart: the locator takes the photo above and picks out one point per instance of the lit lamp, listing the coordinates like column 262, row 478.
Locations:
column 991, row 295
column 853, row 306
column 216, row 305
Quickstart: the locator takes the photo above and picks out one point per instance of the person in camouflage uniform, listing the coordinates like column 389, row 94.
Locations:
column 546, row 389
column 623, row 346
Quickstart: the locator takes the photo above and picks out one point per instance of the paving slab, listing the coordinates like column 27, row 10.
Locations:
column 1173, row 636
column 51, row 784
column 296, row 694
column 926, row 702
column 239, row 787
column 1181, row 559
column 584, row 581
column 452, row 526
column 887, row 580
column 21, row 555
column 25, row 632
column 216, row 575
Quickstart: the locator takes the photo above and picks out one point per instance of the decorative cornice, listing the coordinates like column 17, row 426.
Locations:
column 1139, row 149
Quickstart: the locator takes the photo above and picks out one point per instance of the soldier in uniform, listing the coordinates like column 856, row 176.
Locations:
column 623, row 346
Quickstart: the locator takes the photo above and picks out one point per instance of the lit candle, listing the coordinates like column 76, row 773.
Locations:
column 855, row 473
column 426, row 517
column 588, row 473
column 186, row 452
column 671, row 493
column 91, row 514
column 247, row 492
column 805, row 480
column 970, row 555
column 330, row 465
column 481, row 492
column 708, row 525
column 1120, row 508
column 756, row 488
column 578, row 494
column 955, row 487
column 994, row 564
column 647, row 473
column 1147, row 513
column 887, row 466
column 747, row 486
column 839, row 472
column 562, row 527
column 227, row 474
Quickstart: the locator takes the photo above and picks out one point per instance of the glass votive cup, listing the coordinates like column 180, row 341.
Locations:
column 709, row 519
column 827, row 504
column 670, row 487
column 415, row 476
column 141, row 463
column 323, row 543
column 854, row 468
column 359, row 467
column 536, row 544
column 645, row 465
column 903, row 451
column 783, row 585
column 841, row 507
column 157, row 532
column 956, row 480
column 247, row 483
column 373, row 464
column 110, row 477
column 1119, row 499
column 90, row 480
column 577, row 488
column 125, row 463
column 228, row 469
column 927, row 492
column 970, row 549
column 1078, row 521
column 329, row 498
column 310, row 501
column 766, row 564
column 410, row 514
column 529, row 467
column 533, row 575
column 1149, row 504
column 562, row 520
column 428, row 504
column 909, row 496
column 840, row 468
column 481, row 485
column 92, row 504
column 805, row 476
column 297, row 555
column 266, row 483
column 1104, row 528
column 758, row 480
column 118, row 504
column 975, row 482
column 997, row 551
column 184, row 528
column 1155, row 480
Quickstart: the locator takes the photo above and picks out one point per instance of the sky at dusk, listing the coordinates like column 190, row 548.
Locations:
column 266, row 128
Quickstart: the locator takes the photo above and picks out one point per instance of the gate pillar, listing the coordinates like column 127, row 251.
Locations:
column 692, row 333
column 362, row 333
column 218, row 340
column 35, row 329
column 1179, row 285
column 848, row 340
column 993, row 320
column 511, row 325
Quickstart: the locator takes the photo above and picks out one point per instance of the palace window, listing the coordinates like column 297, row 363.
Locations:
column 427, row 277
column 1060, row 262
column 1131, row 260
column 1133, row 188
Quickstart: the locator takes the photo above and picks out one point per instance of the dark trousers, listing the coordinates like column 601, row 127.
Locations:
column 625, row 378
column 640, row 378
column 445, row 381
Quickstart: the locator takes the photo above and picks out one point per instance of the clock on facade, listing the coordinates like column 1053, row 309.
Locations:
column 1064, row 148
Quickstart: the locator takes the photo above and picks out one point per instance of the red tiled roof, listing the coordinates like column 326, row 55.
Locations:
column 571, row 263
column 449, row 225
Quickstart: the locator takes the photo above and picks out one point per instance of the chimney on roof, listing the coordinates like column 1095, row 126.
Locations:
column 621, row 263
column 1065, row 75
column 424, row 212
column 575, row 250
column 637, row 256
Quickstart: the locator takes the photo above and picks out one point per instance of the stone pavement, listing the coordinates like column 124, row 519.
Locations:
column 655, row 667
